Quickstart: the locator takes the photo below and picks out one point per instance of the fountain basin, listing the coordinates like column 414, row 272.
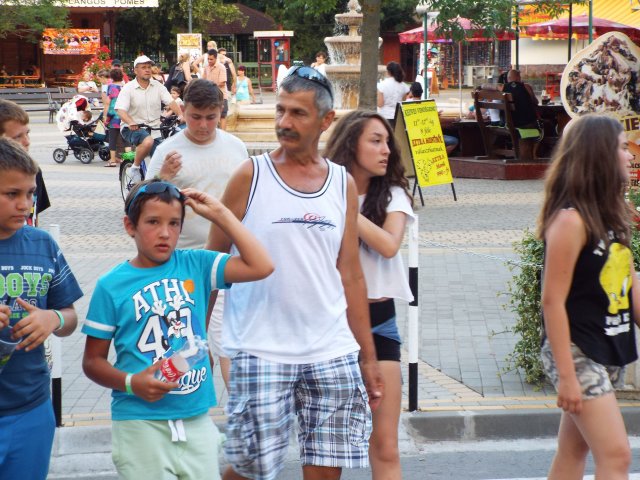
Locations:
column 255, row 124
column 350, row 19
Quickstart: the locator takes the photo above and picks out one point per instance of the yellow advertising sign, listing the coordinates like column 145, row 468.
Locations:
column 425, row 141
column 631, row 125
column 190, row 43
column 528, row 16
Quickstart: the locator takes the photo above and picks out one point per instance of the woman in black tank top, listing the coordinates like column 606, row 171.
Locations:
column 588, row 303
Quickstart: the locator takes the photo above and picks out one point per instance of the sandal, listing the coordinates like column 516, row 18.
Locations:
column 111, row 164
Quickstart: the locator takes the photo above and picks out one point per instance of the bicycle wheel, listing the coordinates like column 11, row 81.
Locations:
column 125, row 179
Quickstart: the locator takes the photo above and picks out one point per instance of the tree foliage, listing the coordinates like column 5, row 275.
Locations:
column 312, row 21
column 150, row 33
column 490, row 15
column 28, row 18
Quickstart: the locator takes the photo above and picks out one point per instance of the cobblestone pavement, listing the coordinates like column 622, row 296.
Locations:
column 463, row 248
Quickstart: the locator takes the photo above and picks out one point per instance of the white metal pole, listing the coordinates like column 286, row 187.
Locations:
column 413, row 337
column 56, row 355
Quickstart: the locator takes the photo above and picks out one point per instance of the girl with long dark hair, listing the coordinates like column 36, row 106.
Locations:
column 363, row 142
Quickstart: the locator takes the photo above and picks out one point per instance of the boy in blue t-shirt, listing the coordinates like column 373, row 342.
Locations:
column 37, row 291
column 145, row 306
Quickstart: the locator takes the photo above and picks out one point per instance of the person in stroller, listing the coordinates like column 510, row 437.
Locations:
column 84, row 136
column 84, row 123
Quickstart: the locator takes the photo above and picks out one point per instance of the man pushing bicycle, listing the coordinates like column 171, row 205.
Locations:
column 140, row 102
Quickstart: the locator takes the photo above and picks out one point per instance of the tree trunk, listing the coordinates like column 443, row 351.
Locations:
column 370, row 57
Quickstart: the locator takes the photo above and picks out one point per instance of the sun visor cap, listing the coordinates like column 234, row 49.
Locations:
column 142, row 59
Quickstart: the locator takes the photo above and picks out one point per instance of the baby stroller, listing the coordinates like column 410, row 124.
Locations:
column 83, row 139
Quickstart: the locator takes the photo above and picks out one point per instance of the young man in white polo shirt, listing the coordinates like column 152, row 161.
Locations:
column 140, row 102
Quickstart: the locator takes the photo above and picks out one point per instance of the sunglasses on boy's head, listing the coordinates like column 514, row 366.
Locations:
column 156, row 187
column 313, row 75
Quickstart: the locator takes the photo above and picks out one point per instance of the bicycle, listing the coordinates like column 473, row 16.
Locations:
column 168, row 127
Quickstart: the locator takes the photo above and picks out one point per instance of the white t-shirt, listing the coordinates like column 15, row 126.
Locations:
column 393, row 93
column 204, row 167
column 90, row 84
column 321, row 68
column 387, row 277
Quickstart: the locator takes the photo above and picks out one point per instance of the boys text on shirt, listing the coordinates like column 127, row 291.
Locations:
column 33, row 268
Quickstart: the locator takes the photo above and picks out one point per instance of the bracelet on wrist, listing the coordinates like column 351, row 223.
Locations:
column 61, row 317
column 127, row 384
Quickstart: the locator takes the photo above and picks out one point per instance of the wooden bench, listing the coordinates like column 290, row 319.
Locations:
column 501, row 141
column 19, row 81
column 6, row 91
column 33, row 99
column 43, row 99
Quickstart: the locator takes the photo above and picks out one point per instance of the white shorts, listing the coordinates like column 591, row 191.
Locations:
column 214, row 333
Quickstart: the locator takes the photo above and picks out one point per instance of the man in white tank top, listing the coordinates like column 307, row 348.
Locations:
column 294, row 339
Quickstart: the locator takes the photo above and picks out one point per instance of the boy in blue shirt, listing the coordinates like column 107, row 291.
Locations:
column 37, row 291
column 145, row 306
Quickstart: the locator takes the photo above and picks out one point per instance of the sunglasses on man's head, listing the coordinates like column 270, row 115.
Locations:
column 154, row 188
column 312, row 74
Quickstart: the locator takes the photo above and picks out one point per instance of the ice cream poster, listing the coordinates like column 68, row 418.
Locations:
column 73, row 41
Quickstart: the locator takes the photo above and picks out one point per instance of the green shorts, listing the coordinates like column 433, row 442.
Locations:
column 144, row 449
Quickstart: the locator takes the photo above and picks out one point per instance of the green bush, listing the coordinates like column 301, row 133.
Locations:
column 524, row 290
column 524, row 300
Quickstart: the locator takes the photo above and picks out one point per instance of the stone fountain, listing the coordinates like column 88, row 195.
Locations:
column 344, row 52
column 254, row 124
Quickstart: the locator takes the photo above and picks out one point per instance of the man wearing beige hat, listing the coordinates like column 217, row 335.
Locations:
column 140, row 102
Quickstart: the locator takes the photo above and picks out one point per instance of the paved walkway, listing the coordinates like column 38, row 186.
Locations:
column 463, row 275
column 459, row 302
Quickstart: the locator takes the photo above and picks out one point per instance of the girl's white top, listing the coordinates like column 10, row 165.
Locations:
column 387, row 277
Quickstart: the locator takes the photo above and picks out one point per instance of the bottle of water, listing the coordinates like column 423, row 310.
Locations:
column 191, row 353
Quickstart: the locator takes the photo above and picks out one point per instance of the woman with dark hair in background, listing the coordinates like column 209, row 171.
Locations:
column 391, row 91
column 363, row 142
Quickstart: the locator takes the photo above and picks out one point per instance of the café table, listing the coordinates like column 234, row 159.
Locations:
column 556, row 116
column 17, row 80
column 68, row 79
column 470, row 138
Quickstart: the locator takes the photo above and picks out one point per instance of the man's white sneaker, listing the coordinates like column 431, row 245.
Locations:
column 135, row 175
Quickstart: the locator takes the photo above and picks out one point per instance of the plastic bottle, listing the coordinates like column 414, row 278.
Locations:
column 192, row 352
